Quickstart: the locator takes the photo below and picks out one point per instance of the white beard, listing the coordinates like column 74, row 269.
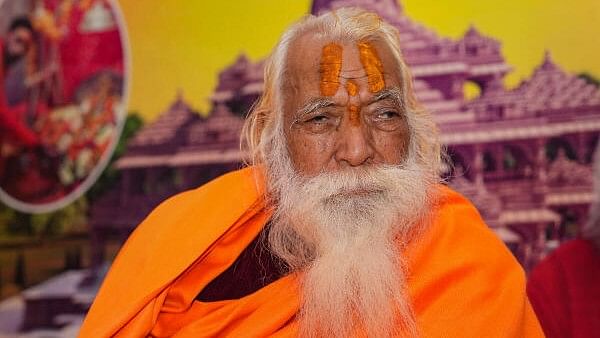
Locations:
column 344, row 231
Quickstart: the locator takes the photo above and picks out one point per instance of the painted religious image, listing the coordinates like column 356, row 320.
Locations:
column 62, row 72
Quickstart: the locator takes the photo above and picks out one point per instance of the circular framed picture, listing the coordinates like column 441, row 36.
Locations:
column 63, row 91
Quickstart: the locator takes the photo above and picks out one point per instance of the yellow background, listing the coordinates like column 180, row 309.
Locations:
column 184, row 44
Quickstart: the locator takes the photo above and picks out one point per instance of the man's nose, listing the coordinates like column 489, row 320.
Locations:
column 354, row 146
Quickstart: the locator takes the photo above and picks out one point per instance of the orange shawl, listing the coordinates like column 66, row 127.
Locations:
column 463, row 281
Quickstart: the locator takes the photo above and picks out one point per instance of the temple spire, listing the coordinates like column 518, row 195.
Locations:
column 472, row 31
column 548, row 63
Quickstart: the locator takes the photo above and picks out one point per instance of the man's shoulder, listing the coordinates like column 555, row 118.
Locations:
column 460, row 270
column 206, row 209
column 447, row 198
column 457, row 229
column 187, row 223
column 454, row 210
column 233, row 187
column 170, row 239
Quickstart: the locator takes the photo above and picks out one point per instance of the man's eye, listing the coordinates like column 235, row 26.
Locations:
column 387, row 120
column 319, row 123
column 318, row 119
column 387, row 115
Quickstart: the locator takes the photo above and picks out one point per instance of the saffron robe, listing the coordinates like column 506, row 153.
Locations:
column 463, row 282
column 565, row 291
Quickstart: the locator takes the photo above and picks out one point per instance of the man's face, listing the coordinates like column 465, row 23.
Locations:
column 341, row 106
column 18, row 41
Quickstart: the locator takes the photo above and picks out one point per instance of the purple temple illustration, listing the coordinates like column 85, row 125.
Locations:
column 522, row 155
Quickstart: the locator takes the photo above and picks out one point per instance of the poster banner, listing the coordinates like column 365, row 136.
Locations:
column 108, row 108
column 61, row 99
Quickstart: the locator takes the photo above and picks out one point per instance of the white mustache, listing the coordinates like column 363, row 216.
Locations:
column 340, row 228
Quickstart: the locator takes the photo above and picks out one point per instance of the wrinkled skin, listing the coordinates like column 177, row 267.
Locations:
column 345, row 130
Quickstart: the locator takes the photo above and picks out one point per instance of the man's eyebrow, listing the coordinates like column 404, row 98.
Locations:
column 314, row 104
column 388, row 93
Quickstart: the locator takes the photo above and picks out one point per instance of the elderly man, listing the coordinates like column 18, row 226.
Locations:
column 339, row 229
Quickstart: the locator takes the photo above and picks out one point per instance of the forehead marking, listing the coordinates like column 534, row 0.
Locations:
column 351, row 87
column 330, row 68
column 373, row 66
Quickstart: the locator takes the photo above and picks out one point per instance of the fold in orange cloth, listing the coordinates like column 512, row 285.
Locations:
column 463, row 281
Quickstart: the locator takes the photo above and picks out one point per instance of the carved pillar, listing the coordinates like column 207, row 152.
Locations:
column 541, row 162
column 125, row 186
column 478, row 166
column 535, row 246
column 583, row 214
column 555, row 231
column 498, row 156
column 98, row 247
column 456, row 89
column 187, row 177
column 581, row 148
column 178, row 179
column 540, row 241
column 527, row 259
column 151, row 180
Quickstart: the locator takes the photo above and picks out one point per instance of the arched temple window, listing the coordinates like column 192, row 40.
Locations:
column 569, row 224
column 515, row 161
column 241, row 105
column 456, row 165
column 590, row 149
column 509, row 159
column 471, row 90
column 559, row 145
column 489, row 163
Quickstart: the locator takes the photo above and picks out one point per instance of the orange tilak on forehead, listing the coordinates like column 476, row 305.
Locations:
column 331, row 67
column 353, row 109
column 351, row 87
column 373, row 66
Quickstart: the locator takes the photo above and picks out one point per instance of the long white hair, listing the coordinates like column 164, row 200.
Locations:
column 347, row 248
